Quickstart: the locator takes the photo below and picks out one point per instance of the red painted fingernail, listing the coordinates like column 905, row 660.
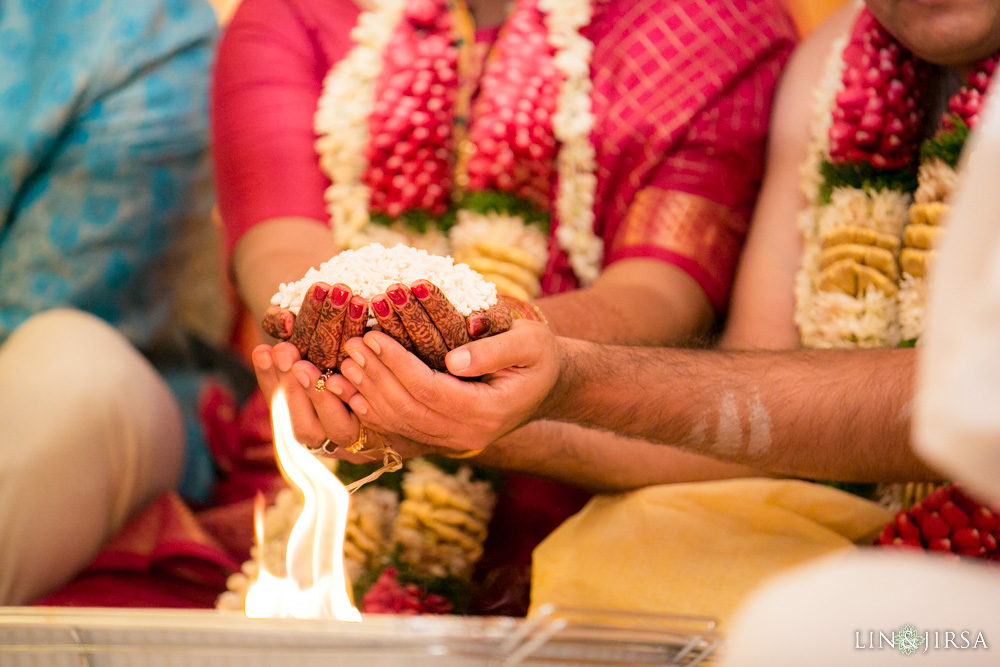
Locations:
column 420, row 290
column 320, row 292
column 381, row 307
column 357, row 309
column 340, row 295
column 397, row 295
column 478, row 326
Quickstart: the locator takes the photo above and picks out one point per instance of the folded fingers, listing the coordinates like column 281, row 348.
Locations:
column 448, row 321
column 335, row 422
column 494, row 320
column 262, row 358
column 308, row 317
column 389, row 321
column 428, row 343
column 324, row 347
column 354, row 325
column 382, row 401
column 278, row 322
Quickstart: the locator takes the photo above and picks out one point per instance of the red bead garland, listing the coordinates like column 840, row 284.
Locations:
column 511, row 145
column 949, row 521
column 877, row 115
column 966, row 102
column 511, row 129
column 409, row 153
column 389, row 596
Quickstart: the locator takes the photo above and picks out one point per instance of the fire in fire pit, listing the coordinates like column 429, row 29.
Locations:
column 315, row 585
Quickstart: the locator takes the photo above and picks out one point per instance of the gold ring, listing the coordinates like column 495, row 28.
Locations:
column 320, row 383
column 359, row 444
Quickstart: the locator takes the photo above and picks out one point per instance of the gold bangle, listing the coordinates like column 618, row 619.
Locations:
column 525, row 310
column 465, row 455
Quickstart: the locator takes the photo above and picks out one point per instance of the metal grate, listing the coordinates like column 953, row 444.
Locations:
column 57, row 637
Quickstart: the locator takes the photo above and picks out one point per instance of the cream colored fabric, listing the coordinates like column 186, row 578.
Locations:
column 89, row 433
column 695, row 548
column 819, row 614
column 957, row 417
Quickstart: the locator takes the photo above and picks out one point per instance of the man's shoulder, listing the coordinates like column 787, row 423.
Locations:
column 812, row 55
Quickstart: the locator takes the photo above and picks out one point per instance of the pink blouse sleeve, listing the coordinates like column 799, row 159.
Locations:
column 695, row 210
column 268, row 77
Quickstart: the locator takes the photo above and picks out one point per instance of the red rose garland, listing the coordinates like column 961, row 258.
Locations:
column 511, row 136
column 511, row 146
column 948, row 521
column 966, row 103
column 878, row 112
column 409, row 153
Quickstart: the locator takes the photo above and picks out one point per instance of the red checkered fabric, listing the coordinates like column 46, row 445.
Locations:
column 682, row 95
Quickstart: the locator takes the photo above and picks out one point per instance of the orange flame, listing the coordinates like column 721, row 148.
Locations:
column 316, row 583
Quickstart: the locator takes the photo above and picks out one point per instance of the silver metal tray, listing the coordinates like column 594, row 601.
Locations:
column 63, row 637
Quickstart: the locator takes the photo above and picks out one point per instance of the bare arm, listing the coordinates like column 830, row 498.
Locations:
column 827, row 414
column 600, row 461
column 824, row 414
column 276, row 251
column 634, row 301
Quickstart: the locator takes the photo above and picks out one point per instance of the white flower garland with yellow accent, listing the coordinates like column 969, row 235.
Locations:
column 827, row 318
column 503, row 249
column 341, row 119
column 573, row 122
column 936, row 181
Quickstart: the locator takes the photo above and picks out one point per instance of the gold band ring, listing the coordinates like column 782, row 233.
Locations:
column 359, row 444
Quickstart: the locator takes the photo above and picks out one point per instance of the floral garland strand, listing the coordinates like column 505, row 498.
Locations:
column 410, row 153
column 846, row 291
column 341, row 119
column 946, row 519
column 876, row 215
column 516, row 140
column 573, row 124
column 936, row 179
column 520, row 129
column 506, row 164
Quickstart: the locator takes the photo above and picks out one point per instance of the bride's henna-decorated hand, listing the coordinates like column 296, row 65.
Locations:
column 328, row 318
column 423, row 321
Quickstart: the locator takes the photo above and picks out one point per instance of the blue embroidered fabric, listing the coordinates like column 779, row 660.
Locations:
column 103, row 158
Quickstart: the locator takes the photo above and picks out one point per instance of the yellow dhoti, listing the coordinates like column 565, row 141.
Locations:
column 696, row 548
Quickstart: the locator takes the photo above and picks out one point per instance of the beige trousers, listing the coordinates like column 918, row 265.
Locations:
column 89, row 433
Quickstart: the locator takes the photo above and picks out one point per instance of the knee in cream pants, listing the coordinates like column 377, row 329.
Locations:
column 89, row 433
